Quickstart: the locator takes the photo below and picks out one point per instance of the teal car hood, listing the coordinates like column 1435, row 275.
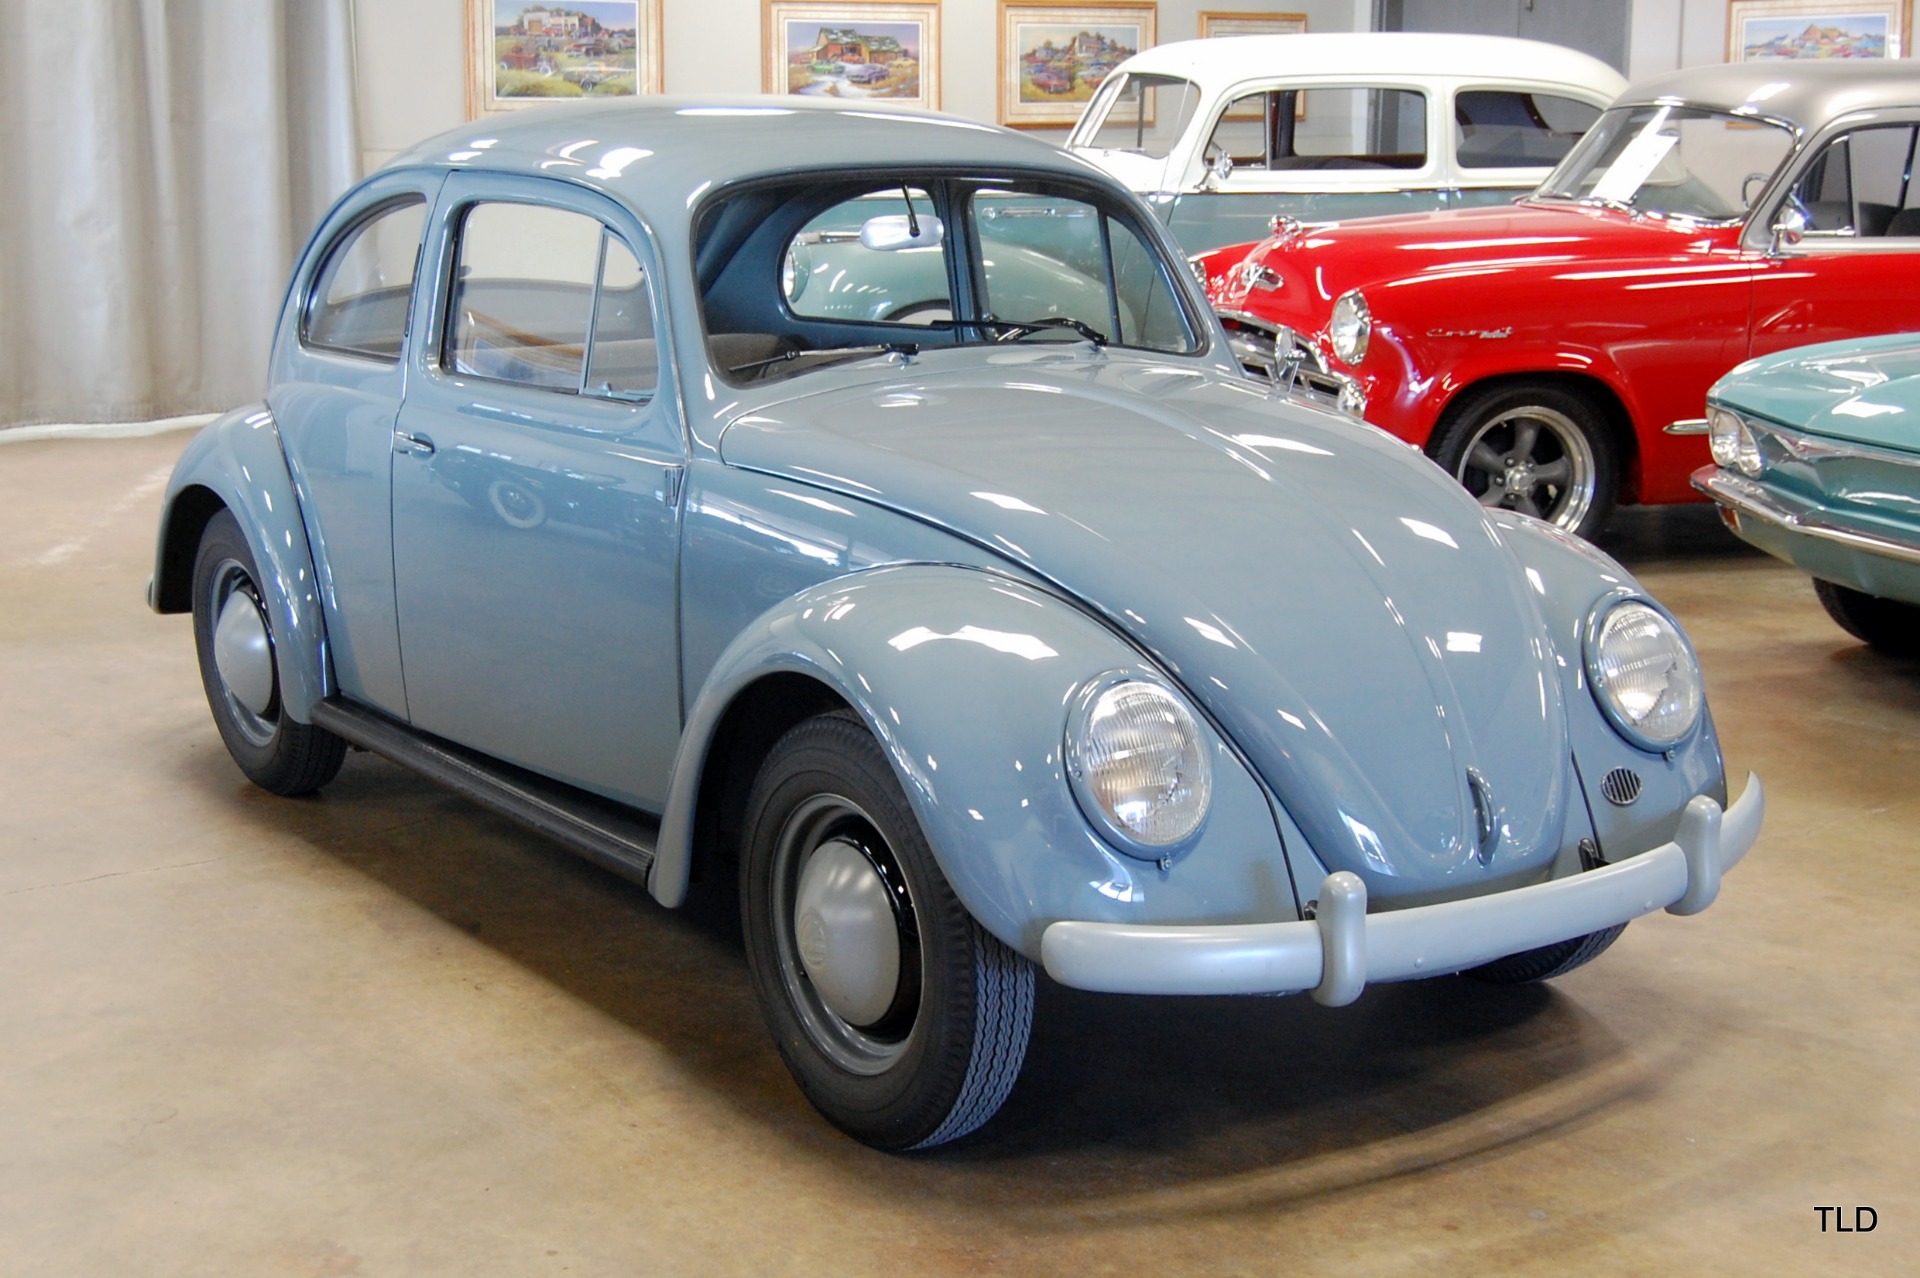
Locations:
column 1863, row 392
column 1344, row 613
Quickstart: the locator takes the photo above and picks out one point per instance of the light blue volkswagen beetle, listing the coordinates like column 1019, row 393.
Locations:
column 1016, row 630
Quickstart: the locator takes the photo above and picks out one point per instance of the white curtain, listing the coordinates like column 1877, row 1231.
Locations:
column 161, row 162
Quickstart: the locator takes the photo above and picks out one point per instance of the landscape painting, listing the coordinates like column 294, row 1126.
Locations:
column 523, row 53
column 1759, row 32
column 1053, row 58
column 853, row 51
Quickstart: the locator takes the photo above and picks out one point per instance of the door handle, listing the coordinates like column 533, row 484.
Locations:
column 420, row 444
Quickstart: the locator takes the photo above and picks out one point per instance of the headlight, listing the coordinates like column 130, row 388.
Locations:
column 1351, row 325
column 1732, row 442
column 1137, row 765
column 1644, row 674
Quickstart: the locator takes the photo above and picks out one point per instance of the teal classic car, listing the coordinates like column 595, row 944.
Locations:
column 1817, row 461
column 1010, row 629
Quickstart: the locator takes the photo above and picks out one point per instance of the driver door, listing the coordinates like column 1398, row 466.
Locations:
column 536, row 482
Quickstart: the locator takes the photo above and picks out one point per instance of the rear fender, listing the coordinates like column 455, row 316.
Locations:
column 236, row 463
column 965, row 678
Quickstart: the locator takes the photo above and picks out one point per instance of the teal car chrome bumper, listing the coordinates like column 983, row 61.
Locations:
column 1749, row 500
column 1336, row 953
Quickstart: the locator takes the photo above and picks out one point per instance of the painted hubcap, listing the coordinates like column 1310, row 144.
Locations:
column 844, row 929
column 242, row 654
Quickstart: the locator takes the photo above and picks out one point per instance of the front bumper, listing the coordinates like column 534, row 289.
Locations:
column 1750, row 500
column 1336, row 953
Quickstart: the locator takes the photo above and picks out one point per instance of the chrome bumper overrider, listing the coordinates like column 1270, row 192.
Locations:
column 1335, row 954
column 1755, row 501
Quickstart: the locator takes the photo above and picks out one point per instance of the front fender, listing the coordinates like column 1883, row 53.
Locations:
column 1571, row 578
column 965, row 677
column 236, row 462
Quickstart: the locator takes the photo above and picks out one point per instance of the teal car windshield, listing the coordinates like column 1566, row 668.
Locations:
column 1139, row 112
column 797, row 275
column 1672, row 161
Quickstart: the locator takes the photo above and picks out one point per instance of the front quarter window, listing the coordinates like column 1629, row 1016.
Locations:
column 1671, row 161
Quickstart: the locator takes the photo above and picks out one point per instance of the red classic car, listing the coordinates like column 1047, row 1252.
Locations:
column 1554, row 355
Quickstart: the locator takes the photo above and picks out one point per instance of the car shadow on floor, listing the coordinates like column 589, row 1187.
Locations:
column 1183, row 1104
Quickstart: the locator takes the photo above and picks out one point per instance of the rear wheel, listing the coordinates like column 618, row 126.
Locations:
column 1548, row 961
column 1535, row 448
column 1887, row 625
column 903, row 1020
column 233, row 634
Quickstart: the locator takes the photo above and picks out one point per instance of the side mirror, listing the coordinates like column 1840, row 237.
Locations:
column 1219, row 169
column 1788, row 228
column 898, row 231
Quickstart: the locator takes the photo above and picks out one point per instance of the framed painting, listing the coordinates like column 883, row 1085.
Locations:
column 1214, row 24
column 1239, row 24
column 853, row 50
column 1053, row 56
column 521, row 53
column 1766, row 30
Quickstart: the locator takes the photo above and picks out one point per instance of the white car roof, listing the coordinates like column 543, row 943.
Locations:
column 1377, row 54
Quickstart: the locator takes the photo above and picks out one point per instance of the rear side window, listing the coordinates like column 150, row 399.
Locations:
column 550, row 298
column 360, row 300
column 1506, row 128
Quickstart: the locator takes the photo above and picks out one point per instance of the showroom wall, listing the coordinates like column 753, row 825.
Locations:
column 413, row 69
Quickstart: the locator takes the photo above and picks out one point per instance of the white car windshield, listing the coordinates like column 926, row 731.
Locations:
column 1674, row 161
column 1144, row 114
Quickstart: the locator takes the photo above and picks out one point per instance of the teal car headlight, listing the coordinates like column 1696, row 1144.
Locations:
column 1644, row 674
column 1138, row 766
column 1350, row 327
column 1733, row 442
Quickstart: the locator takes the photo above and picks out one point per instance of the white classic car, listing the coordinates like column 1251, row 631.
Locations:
column 1221, row 135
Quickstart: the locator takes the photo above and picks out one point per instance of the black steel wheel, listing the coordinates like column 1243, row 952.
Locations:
column 233, row 634
column 1886, row 625
column 1548, row 961
column 1532, row 447
column 902, row 1019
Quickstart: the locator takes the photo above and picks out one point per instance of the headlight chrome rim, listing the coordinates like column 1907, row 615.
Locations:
column 1732, row 441
column 1624, row 608
column 1098, row 709
column 1349, row 328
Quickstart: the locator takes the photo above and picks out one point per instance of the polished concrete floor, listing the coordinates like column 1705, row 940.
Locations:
column 381, row 1032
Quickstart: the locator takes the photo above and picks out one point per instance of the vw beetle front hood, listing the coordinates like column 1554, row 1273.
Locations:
column 1339, row 608
column 1863, row 392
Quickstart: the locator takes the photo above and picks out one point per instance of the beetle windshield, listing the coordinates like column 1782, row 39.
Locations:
column 803, row 273
column 1143, row 114
column 1674, row 161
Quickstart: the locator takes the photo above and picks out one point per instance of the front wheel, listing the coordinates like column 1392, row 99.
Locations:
column 902, row 1019
column 1534, row 448
column 233, row 634
column 1886, row 625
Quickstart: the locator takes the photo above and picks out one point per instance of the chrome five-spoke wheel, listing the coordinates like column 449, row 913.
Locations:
column 1537, row 449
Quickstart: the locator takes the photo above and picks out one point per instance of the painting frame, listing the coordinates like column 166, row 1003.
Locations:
column 1025, row 22
column 779, row 20
column 488, row 73
column 1755, row 25
column 1215, row 24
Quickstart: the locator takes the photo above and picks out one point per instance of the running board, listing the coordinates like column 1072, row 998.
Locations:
column 610, row 835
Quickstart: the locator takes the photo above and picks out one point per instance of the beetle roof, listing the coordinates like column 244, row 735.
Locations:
column 661, row 153
column 1808, row 93
column 1377, row 55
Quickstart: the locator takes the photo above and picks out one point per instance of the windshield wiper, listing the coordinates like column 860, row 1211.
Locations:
column 829, row 354
column 1014, row 330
